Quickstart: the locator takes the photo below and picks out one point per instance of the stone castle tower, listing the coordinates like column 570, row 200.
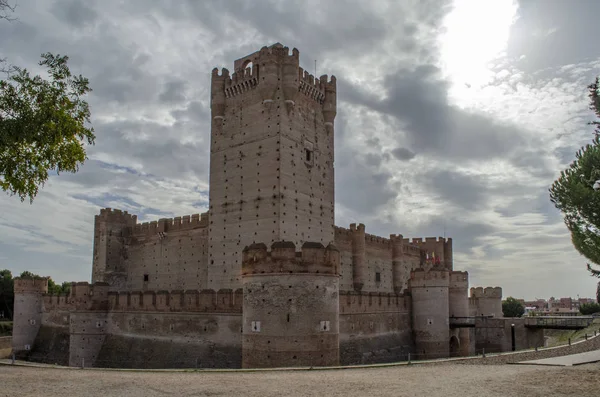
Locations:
column 271, row 159
column 291, row 305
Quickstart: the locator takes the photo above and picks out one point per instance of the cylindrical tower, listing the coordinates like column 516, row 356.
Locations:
column 28, row 311
column 358, row 256
column 109, row 246
column 458, row 299
column 290, row 77
column 217, row 99
column 291, row 305
column 268, row 76
column 330, row 102
column 448, row 254
column 429, row 291
column 397, row 256
column 487, row 302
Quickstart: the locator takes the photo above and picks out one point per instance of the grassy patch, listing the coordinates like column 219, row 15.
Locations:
column 561, row 337
column 6, row 328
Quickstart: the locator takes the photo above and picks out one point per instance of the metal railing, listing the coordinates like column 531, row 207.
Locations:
column 462, row 322
column 552, row 322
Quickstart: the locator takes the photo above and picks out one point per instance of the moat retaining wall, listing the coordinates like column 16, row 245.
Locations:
column 5, row 346
column 374, row 328
column 172, row 340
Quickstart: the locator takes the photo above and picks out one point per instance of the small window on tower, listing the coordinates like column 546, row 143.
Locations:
column 145, row 277
column 308, row 155
column 377, row 277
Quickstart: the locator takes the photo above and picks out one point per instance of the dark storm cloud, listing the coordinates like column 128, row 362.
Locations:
column 97, row 173
column 75, row 13
column 402, row 153
column 464, row 232
column 418, row 98
column 173, row 92
column 469, row 192
column 196, row 111
column 164, row 155
column 361, row 184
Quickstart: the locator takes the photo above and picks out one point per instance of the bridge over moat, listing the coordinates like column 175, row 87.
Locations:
column 544, row 322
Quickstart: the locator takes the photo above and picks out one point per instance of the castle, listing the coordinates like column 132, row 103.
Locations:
column 264, row 278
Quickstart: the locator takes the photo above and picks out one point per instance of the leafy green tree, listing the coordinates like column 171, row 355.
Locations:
column 42, row 126
column 7, row 293
column 56, row 289
column 577, row 192
column 589, row 308
column 512, row 307
column 42, row 123
column 28, row 274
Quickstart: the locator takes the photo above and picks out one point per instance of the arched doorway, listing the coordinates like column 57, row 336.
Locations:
column 454, row 346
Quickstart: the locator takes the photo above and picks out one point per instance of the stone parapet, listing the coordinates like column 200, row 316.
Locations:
column 373, row 302
column 283, row 258
column 488, row 292
column 30, row 285
column 165, row 225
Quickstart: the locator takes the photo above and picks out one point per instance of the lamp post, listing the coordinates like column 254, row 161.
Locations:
column 512, row 334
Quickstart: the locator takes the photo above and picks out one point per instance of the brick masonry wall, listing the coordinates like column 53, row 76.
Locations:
column 178, row 261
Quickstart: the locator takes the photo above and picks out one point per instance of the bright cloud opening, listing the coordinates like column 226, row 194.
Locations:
column 476, row 33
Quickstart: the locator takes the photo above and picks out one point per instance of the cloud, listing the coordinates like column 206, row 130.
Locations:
column 402, row 153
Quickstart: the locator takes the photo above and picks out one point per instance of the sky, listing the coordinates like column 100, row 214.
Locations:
column 454, row 118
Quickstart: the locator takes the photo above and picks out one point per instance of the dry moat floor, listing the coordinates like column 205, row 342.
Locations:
column 418, row 380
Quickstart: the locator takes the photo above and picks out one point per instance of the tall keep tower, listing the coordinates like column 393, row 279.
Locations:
column 272, row 154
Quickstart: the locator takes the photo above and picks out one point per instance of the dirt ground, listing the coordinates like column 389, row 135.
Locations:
column 417, row 380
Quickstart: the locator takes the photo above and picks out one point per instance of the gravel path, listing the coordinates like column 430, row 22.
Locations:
column 417, row 380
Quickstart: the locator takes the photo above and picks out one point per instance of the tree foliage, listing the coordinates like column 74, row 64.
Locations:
column 7, row 293
column 512, row 307
column 574, row 192
column 589, row 308
column 42, row 126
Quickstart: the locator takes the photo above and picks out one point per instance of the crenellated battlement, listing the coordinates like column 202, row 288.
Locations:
column 88, row 297
column 420, row 278
column 269, row 68
column 459, row 280
column 315, row 88
column 116, row 216
column 421, row 240
column 83, row 296
column 241, row 81
column 165, row 225
column 488, row 292
column 439, row 246
column 396, row 238
column 355, row 228
column 374, row 240
column 283, row 258
column 204, row 301
column 30, row 285
column 352, row 302
column 342, row 231
column 410, row 249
